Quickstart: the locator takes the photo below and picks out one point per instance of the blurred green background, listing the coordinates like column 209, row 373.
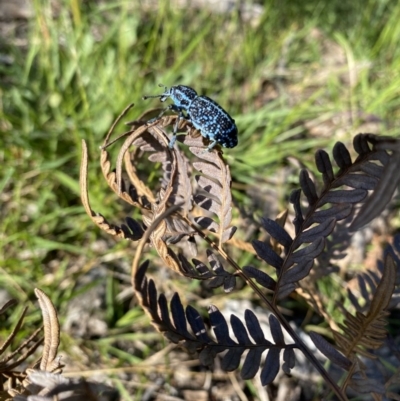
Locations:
column 295, row 75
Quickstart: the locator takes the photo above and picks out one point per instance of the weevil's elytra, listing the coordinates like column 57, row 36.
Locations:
column 206, row 115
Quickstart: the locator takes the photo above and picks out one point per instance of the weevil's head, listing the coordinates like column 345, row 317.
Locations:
column 182, row 95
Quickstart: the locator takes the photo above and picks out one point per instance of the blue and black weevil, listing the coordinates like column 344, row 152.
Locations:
column 206, row 115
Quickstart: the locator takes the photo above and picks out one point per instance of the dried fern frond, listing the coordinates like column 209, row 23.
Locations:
column 26, row 348
column 175, row 328
column 368, row 281
column 389, row 181
column 132, row 230
column 362, row 332
column 216, row 182
column 325, row 209
column 368, row 330
column 216, row 274
column 45, row 384
column 49, row 361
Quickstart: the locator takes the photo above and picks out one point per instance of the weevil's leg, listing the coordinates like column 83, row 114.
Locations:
column 181, row 116
column 172, row 142
column 170, row 107
column 175, row 131
column 211, row 146
column 160, row 115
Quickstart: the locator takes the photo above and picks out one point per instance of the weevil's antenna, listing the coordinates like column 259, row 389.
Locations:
column 151, row 96
column 154, row 96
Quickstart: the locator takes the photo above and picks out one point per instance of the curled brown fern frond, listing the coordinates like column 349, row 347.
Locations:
column 148, row 142
column 132, row 230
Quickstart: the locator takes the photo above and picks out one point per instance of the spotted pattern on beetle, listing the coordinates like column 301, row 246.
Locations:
column 213, row 122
